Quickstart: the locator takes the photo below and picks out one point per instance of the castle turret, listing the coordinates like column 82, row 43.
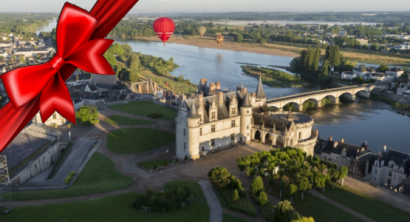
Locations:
column 193, row 132
column 260, row 93
column 246, row 119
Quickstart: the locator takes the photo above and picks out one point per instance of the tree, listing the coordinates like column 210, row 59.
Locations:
column 263, row 198
column 293, row 189
column 239, row 38
column 374, row 46
column 180, row 78
column 271, row 182
column 303, row 185
column 282, row 185
column 257, row 186
column 127, row 49
column 235, row 195
column 220, row 176
column 262, row 40
column 343, row 173
column 87, row 115
column 304, row 219
column 110, row 58
column 284, row 212
column 325, row 68
column 243, row 163
column 117, row 49
column 383, row 68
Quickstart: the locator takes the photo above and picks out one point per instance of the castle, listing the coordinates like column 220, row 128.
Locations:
column 215, row 118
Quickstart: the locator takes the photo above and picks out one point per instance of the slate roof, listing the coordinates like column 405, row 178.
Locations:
column 352, row 151
column 260, row 93
column 193, row 112
column 30, row 140
column 399, row 158
column 246, row 102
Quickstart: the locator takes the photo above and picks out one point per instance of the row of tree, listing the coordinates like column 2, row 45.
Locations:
column 302, row 172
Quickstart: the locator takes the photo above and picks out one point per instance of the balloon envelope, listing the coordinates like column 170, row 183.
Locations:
column 219, row 39
column 201, row 30
column 164, row 27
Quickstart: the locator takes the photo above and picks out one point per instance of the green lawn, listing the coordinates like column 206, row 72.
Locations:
column 243, row 205
column 137, row 140
column 114, row 208
column 146, row 108
column 366, row 205
column 123, row 120
column 314, row 207
column 98, row 176
column 230, row 218
column 150, row 164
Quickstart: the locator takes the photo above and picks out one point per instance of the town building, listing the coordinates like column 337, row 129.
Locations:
column 216, row 118
column 55, row 120
column 391, row 168
column 144, row 87
column 27, row 52
column 34, row 150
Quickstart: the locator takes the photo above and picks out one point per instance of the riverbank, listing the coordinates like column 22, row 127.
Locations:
column 278, row 49
column 273, row 78
column 207, row 42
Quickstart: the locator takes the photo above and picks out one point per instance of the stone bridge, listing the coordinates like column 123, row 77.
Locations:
column 317, row 96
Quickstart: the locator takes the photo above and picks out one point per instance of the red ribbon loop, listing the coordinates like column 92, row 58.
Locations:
column 74, row 48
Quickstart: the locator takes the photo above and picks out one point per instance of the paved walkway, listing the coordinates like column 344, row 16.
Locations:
column 215, row 209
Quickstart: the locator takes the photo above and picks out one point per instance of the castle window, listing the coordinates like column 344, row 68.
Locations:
column 375, row 171
column 184, row 146
column 233, row 110
column 200, row 131
column 247, row 111
column 200, row 118
column 213, row 129
column 233, row 136
column 355, row 170
column 300, row 135
column 212, row 142
column 247, row 127
column 55, row 116
column 233, row 123
column 184, row 132
column 213, row 115
column 399, row 179
column 394, row 177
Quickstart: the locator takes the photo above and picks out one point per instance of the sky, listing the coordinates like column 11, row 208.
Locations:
column 172, row 6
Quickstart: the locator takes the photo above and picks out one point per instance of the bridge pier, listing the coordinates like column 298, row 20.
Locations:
column 319, row 104
column 364, row 94
column 300, row 108
column 337, row 101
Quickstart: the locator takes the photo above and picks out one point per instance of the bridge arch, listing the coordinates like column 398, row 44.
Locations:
column 333, row 99
column 295, row 106
column 310, row 103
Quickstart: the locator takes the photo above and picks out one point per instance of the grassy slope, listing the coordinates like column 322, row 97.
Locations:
column 314, row 207
column 146, row 108
column 115, row 208
column 98, row 176
column 178, row 87
column 123, row 120
column 243, row 205
column 230, row 218
column 366, row 205
column 137, row 140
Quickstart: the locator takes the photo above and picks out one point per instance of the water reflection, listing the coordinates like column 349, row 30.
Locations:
column 363, row 120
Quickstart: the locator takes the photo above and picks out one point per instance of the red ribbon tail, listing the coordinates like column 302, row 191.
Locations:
column 13, row 121
column 55, row 97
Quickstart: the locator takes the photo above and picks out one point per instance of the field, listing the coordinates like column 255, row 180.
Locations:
column 123, row 120
column 137, row 140
column 114, row 208
column 98, row 176
column 146, row 108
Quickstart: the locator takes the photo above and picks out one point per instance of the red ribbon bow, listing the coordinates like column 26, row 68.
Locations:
column 75, row 28
column 80, row 43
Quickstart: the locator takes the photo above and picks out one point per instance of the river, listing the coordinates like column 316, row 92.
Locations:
column 363, row 120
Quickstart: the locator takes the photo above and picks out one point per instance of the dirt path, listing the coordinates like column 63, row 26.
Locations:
column 215, row 209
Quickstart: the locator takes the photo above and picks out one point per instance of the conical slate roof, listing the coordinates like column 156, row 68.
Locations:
column 246, row 102
column 193, row 112
column 290, row 116
column 260, row 94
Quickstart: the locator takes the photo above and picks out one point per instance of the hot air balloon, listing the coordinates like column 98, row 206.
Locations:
column 219, row 39
column 164, row 27
column 201, row 30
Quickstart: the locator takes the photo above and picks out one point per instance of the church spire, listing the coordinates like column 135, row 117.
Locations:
column 260, row 94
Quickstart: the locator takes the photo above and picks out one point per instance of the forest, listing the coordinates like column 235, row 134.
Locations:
column 24, row 24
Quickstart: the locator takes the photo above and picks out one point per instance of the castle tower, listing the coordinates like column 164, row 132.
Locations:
column 260, row 93
column 193, row 132
column 246, row 120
